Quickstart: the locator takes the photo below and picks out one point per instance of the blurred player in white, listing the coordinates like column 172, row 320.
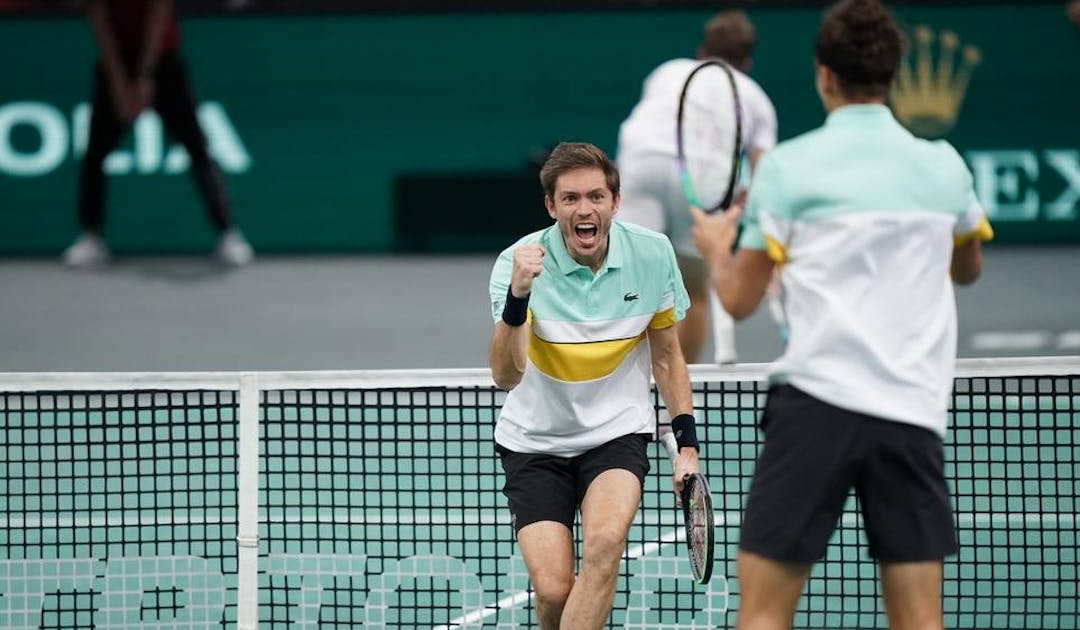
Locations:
column 652, row 196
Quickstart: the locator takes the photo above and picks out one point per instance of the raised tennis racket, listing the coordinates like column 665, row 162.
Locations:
column 697, row 508
column 709, row 136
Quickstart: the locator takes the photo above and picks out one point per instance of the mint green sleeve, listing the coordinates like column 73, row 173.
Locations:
column 500, row 282
column 971, row 219
column 675, row 286
column 763, row 198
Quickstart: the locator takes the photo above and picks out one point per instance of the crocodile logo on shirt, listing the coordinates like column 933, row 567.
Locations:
column 630, row 296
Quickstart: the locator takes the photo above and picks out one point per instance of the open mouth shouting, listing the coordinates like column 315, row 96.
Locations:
column 586, row 233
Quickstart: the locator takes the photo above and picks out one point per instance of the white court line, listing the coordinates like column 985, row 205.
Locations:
column 1011, row 340
column 521, row 597
column 735, row 518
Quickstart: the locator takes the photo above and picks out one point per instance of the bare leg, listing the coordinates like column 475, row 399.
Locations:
column 548, row 550
column 912, row 594
column 607, row 511
column 769, row 591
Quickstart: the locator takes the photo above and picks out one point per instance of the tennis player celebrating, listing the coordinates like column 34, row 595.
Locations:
column 868, row 222
column 583, row 309
column 653, row 196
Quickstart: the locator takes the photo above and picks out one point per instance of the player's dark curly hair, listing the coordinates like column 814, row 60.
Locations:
column 860, row 41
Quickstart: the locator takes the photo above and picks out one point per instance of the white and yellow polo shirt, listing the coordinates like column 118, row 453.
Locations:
column 587, row 380
column 862, row 217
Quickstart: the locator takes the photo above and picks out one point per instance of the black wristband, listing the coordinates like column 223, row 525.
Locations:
column 516, row 310
column 685, row 432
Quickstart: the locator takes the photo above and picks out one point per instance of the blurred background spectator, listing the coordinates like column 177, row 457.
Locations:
column 140, row 67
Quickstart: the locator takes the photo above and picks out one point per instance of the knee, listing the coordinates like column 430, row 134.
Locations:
column 604, row 549
column 552, row 590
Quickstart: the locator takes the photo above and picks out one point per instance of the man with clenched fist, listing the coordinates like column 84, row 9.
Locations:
column 584, row 311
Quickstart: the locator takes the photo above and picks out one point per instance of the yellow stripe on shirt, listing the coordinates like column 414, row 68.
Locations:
column 983, row 231
column 575, row 362
column 775, row 251
column 663, row 319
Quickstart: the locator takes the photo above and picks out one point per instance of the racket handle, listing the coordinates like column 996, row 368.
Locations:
column 668, row 440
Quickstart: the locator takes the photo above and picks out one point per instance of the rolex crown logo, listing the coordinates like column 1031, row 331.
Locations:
column 926, row 97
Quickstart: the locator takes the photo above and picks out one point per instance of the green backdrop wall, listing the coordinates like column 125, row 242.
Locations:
column 329, row 126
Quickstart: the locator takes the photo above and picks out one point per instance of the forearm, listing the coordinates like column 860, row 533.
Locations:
column 509, row 354
column 740, row 280
column 726, row 283
column 157, row 23
column 673, row 382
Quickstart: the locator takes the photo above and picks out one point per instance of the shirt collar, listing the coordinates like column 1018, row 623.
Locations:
column 860, row 114
column 568, row 265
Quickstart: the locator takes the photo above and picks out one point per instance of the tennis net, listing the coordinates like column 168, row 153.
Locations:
column 372, row 499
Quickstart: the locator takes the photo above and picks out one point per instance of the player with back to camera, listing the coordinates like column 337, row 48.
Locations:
column 869, row 222
column 584, row 312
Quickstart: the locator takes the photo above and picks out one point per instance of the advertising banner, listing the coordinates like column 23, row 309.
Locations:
column 376, row 133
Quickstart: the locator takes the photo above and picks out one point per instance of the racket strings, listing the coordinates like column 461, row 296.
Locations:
column 698, row 512
column 709, row 135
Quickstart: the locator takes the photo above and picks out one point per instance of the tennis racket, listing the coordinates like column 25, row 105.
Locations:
column 697, row 508
column 708, row 136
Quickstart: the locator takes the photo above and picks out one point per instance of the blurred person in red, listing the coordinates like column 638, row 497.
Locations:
column 140, row 67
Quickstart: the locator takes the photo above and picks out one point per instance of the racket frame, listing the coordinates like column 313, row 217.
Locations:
column 680, row 145
column 703, row 573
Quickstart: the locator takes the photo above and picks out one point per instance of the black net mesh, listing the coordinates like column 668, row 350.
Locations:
column 119, row 509
column 382, row 509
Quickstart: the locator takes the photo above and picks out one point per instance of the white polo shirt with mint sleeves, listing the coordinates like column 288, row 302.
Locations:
column 862, row 218
column 587, row 380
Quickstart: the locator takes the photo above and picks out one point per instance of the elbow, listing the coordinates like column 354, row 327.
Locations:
column 966, row 262
column 739, row 312
column 738, row 309
column 965, row 276
column 506, row 383
column 966, row 270
column 505, row 379
column 499, row 381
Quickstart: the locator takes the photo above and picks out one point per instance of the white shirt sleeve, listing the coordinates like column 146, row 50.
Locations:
column 760, row 118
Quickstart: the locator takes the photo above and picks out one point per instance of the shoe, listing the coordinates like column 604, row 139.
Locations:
column 233, row 249
column 89, row 250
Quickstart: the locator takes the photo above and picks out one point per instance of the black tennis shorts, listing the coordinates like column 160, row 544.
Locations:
column 815, row 453
column 543, row 487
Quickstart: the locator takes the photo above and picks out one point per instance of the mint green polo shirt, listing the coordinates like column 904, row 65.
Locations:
column 587, row 380
column 862, row 218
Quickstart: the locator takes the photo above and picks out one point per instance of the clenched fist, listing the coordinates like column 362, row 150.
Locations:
column 528, row 263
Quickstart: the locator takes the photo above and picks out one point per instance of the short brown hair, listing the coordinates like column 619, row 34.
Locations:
column 730, row 36
column 568, row 156
column 860, row 41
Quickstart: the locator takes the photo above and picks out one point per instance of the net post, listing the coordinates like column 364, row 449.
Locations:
column 247, row 539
